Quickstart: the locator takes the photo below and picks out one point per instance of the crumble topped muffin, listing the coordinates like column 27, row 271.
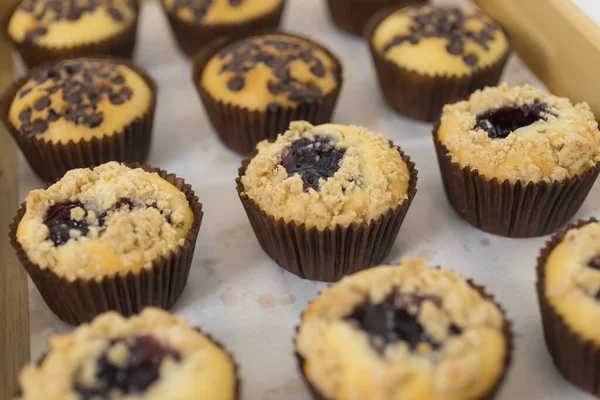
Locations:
column 80, row 99
column 521, row 134
column 326, row 176
column 214, row 12
column 150, row 356
column 440, row 40
column 406, row 332
column 99, row 222
column 270, row 72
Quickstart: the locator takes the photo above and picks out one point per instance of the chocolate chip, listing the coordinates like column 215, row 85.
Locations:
column 116, row 99
column 42, row 103
column 74, row 14
column 93, row 120
column 118, row 80
column 273, row 106
column 25, row 115
column 318, row 70
column 470, row 59
column 116, row 14
column 73, row 98
column 275, row 88
column 53, row 115
column 24, row 92
column 236, row 83
column 39, row 126
column 455, row 47
column 235, row 3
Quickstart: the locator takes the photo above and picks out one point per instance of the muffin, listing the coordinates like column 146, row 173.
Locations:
column 80, row 113
column 517, row 161
column 326, row 201
column 196, row 23
column 109, row 238
column 352, row 16
column 253, row 88
column 407, row 332
column 568, row 288
column 51, row 30
column 150, row 356
column 430, row 56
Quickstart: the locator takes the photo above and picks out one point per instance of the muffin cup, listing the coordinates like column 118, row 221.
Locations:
column 511, row 209
column 50, row 161
column 508, row 334
column 577, row 359
column 81, row 300
column 353, row 16
column 241, row 129
column 422, row 96
column 193, row 37
column 327, row 255
column 120, row 45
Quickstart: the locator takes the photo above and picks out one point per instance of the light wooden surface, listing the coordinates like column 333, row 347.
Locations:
column 14, row 308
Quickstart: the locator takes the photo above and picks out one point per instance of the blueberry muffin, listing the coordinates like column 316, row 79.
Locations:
column 253, row 88
column 79, row 113
column 108, row 238
column 327, row 200
column 50, row 30
column 407, row 332
column 196, row 23
column 150, row 356
column 568, row 289
column 517, row 161
column 430, row 56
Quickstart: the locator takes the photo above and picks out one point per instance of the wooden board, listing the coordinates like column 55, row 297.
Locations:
column 14, row 308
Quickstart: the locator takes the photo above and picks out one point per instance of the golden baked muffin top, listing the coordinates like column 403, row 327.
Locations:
column 269, row 72
column 327, row 175
column 67, row 23
column 80, row 99
column 440, row 40
column 572, row 282
column 150, row 356
column 215, row 12
column 407, row 332
column 96, row 223
column 521, row 134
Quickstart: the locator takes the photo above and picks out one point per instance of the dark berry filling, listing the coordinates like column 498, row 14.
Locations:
column 59, row 222
column 141, row 369
column 395, row 319
column 312, row 159
column 501, row 122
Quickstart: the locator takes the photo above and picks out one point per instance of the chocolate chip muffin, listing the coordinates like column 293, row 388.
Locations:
column 253, row 88
column 517, row 161
column 196, row 23
column 50, row 30
column 407, row 332
column 79, row 113
column 108, row 238
column 150, row 356
column 568, row 288
column 325, row 201
column 430, row 56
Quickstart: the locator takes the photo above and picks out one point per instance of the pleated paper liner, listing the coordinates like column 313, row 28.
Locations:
column 81, row 300
column 50, row 161
column 192, row 37
column 327, row 255
column 122, row 44
column 241, row 129
column 491, row 394
column 577, row 359
column 422, row 96
column 352, row 16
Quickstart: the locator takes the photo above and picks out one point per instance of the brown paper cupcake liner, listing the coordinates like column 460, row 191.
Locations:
column 241, row 129
column 353, row 16
column 491, row 394
column 329, row 254
column 577, row 359
column 120, row 45
column 422, row 96
column 80, row 300
column 511, row 209
column 192, row 37
column 50, row 161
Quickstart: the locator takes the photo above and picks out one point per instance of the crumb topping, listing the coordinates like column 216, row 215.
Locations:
column 560, row 142
column 220, row 11
column 92, row 362
column 449, row 340
column 99, row 222
column 363, row 178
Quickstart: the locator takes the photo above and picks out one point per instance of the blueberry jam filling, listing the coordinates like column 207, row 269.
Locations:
column 501, row 122
column 140, row 370
column 312, row 159
column 395, row 319
column 59, row 222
